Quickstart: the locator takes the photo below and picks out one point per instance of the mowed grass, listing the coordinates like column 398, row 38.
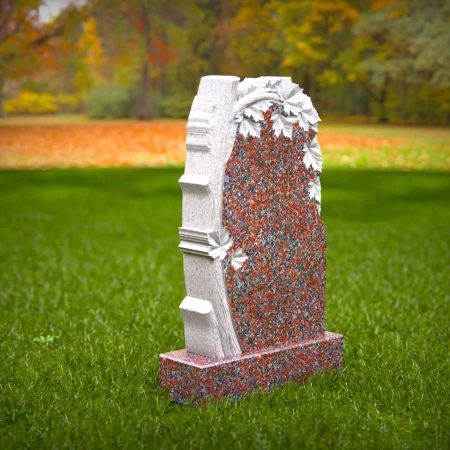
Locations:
column 91, row 258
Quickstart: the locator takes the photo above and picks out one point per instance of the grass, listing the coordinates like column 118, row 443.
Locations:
column 89, row 261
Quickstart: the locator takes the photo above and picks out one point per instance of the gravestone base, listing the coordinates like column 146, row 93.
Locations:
column 193, row 377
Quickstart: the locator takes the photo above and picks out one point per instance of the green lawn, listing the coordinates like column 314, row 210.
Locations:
column 90, row 256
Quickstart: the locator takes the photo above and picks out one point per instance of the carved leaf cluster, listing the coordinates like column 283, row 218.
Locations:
column 293, row 106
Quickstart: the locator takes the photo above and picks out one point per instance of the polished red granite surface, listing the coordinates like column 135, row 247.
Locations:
column 188, row 376
column 278, row 295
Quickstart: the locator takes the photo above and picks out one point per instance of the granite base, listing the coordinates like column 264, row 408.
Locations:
column 198, row 378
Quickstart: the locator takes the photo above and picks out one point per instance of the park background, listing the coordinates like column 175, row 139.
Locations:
column 94, row 98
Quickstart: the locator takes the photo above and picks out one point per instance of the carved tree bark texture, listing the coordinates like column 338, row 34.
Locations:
column 210, row 131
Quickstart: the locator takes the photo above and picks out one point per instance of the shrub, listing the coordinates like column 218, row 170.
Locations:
column 155, row 105
column 177, row 106
column 67, row 102
column 112, row 102
column 32, row 103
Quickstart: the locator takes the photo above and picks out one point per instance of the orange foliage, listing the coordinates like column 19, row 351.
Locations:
column 161, row 52
column 159, row 143
column 334, row 141
column 123, row 144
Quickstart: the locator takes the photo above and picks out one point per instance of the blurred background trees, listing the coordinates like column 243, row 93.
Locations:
column 382, row 59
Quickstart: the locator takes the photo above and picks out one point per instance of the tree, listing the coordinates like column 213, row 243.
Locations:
column 149, row 22
column 22, row 36
column 90, row 59
column 255, row 37
column 400, row 44
column 312, row 35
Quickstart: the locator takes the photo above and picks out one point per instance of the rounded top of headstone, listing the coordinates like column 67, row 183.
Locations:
column 221, row 78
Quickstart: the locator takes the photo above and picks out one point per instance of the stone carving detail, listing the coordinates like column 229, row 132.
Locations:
column 210, row 135
column 220, row 242
column 201, row 327
column 215, row 244
column 199, row 128
column 292, row 106
column 253, row 242
column 288, row 105
column 238, row 258
column 313, row 156
column 315, row 191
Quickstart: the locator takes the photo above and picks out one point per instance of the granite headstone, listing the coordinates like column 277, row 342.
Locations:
column 253, row 243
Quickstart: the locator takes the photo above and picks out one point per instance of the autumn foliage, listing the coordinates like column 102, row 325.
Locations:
column 93, row 145
column 384, row 59
column 161, row 143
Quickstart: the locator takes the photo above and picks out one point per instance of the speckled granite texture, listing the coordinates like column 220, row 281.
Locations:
column 189, row 376
column 278, row 296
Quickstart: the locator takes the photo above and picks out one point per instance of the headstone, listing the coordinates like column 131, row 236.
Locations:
column 253, row 243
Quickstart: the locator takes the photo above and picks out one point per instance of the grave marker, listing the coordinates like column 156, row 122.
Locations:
column 253, row 243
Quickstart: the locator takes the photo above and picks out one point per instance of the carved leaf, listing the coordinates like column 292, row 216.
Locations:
column 291, row 96
column 315, row 191
column 312, row 116
column 308, row 116
column 313, row 156
column 239, row 116
column 282, row 124
column 256, row 110
column 246, row 87
column 273, row 85
column 238, row 258
column 315, row 126
column 303, row 122
column 220, row 242
column 248, row 127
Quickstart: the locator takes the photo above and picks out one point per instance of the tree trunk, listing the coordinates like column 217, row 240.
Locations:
column 144, row 113
column 307, row 85
column 220, row 36
column 2, row 84
column 380, row 100
column 383, row 117
column 143, row 110
column 405, row 113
